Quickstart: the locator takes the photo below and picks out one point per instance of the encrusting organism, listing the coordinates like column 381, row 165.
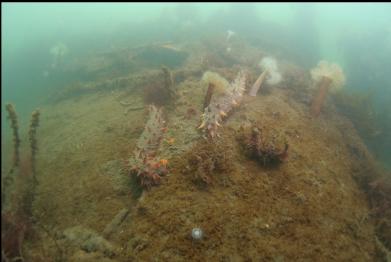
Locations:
column 263, row 147
column 208, row 163
column 15, row 131
column 270, row 73
column 222, row 104
column 147, row 168
column 327, row 77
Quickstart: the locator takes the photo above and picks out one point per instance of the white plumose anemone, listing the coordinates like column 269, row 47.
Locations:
column 230, row 33
column 270, row 64
column 329, row 70
column 270, row 74
column 58, row 52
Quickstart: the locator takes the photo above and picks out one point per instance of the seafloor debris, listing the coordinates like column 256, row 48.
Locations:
column 267, row 148
column 221, row 105
column 145, row 165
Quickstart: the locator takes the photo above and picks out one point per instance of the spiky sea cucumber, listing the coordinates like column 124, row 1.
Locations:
column 145, row 165
column 221, row 106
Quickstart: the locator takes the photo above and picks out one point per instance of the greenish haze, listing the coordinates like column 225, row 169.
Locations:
column 355, row 35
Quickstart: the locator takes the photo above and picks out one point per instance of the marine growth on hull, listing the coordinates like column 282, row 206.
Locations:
column 210, row 149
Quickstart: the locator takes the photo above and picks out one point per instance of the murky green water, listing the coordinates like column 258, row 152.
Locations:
column 91, row 68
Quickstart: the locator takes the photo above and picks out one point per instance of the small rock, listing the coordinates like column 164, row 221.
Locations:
column 88, row 240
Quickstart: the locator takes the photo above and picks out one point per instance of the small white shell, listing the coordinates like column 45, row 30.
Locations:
column 197, row 233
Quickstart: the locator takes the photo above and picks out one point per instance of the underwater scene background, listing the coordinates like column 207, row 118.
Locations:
column 196, row 132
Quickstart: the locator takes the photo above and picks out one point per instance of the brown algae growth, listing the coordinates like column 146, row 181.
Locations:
column 261, row 177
